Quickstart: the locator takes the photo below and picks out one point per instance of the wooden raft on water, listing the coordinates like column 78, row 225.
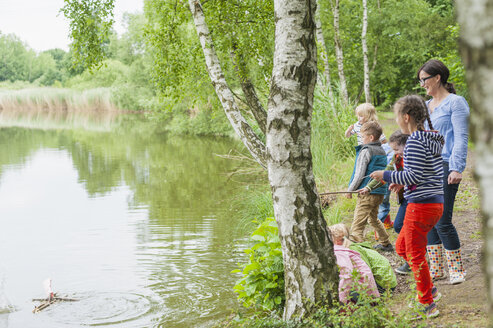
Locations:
column 45, row 302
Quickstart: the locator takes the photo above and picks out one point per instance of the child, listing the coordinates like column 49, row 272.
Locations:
column 379, row 265
column 369, row 157
column 423, row 190
column 384, row 208
column 365, row 113
column 397, row 142
column 349, row 260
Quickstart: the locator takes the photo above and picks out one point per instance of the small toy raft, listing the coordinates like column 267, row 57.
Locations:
column 51, row 299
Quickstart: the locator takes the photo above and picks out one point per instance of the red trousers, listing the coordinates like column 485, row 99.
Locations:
column 411, row 244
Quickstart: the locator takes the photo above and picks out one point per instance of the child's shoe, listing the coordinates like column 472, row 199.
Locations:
column 386, row 248
column 404, row 269
column 388, row 223
column 426, row 311
column 434, row 292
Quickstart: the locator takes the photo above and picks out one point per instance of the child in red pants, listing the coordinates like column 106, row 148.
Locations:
column 423, row 191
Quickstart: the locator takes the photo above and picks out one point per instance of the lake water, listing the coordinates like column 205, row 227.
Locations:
column 138, row 226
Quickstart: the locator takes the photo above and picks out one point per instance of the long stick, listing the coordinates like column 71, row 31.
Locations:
column 338, row 192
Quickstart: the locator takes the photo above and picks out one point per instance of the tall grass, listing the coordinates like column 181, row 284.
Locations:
column 56, row 99
column 333, row 153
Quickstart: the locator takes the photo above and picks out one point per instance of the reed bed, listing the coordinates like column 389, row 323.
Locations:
column 56, row 99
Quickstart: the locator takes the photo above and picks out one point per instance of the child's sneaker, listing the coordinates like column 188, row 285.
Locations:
column 426, row 311
column 434, row 293
column 388, row 223
column 404, row 269
column 386, row 248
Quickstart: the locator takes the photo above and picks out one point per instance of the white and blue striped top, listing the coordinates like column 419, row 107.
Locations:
column 423, row 168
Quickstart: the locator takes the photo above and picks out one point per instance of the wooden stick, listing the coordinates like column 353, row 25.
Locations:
column 338, row 192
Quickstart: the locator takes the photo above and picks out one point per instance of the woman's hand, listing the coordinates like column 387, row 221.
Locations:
column 363, row 191
column 377, row 175
column 395, row 187
column 454, row 177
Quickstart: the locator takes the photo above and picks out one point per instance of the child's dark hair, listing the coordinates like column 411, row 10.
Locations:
column 398, row 138
column 435, row 67
column 414, row 106
column 372, row 128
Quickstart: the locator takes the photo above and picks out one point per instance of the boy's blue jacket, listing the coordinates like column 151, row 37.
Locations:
column 373, row 159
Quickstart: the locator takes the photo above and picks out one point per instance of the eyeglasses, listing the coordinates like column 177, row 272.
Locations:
column 423, row 80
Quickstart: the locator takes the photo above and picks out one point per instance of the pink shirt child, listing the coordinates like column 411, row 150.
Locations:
column 349, row 260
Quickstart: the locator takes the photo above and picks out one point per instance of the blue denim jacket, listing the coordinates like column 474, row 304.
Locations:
column 451, row 119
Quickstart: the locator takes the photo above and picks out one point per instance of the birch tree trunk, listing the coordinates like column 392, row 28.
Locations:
column 366, row 70
column 310, row 269
column 476, row 42
column 339, row 53
column 323, row 55
column 240, row 125
column 249, row 91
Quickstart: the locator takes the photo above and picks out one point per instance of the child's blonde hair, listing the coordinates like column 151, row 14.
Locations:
column 340, row 232
column 367, row 111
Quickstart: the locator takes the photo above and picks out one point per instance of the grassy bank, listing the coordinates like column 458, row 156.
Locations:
column 57, row 99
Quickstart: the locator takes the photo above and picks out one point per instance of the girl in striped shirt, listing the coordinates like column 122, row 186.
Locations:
column 423, row 191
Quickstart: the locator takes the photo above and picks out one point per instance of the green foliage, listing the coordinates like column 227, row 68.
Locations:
column 15, row 59
column 262, row 284
column 90, row 26
column 329, row 145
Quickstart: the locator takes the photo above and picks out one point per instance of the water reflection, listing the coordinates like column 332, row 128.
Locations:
column 119, row 219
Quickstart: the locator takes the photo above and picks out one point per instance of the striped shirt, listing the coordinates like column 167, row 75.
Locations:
column 422, row 174
column 357, row 131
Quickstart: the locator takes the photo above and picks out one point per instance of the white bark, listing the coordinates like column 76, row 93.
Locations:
column 311, row 274
column 475, row 19
column 366, row 71
column 339, row 52
column 240, row 125
column 325, row 59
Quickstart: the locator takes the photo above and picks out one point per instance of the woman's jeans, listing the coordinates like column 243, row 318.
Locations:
column 444, row 231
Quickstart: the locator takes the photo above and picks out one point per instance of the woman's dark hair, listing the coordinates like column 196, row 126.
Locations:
column 436, row 67
column 398, row 138
column 414, row 106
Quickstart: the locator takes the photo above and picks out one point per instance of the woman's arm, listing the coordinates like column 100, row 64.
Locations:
column 460, row 126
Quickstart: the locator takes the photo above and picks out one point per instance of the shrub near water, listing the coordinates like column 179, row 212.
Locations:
column 262, row 287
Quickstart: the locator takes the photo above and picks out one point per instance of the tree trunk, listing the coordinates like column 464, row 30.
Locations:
column 248, row 89
column 240, row 125
column 339, row 53
column 310, row 269
column 476, row 44
column 325, row 59
column 366, row 70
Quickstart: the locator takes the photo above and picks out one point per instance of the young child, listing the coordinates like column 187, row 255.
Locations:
column 380, row 267
column 349, row 260
column 369, row 157
column 423, row 190
column 384, row 208
column 365, row 113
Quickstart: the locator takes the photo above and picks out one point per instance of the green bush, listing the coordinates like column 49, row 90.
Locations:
column 262, row 284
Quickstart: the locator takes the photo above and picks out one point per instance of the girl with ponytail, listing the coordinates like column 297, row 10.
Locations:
column 449, row 114
column 421, row 178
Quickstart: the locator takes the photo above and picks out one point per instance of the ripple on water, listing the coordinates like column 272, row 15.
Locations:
column 102, row 309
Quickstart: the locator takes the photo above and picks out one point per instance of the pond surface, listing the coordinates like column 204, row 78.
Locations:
column 140, row 227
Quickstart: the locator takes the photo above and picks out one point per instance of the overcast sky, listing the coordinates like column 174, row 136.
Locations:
column 38, row 23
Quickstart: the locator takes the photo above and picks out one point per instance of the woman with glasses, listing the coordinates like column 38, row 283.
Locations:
column 449, row 114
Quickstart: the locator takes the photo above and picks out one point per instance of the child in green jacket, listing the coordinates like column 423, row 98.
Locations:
column 379, row 265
